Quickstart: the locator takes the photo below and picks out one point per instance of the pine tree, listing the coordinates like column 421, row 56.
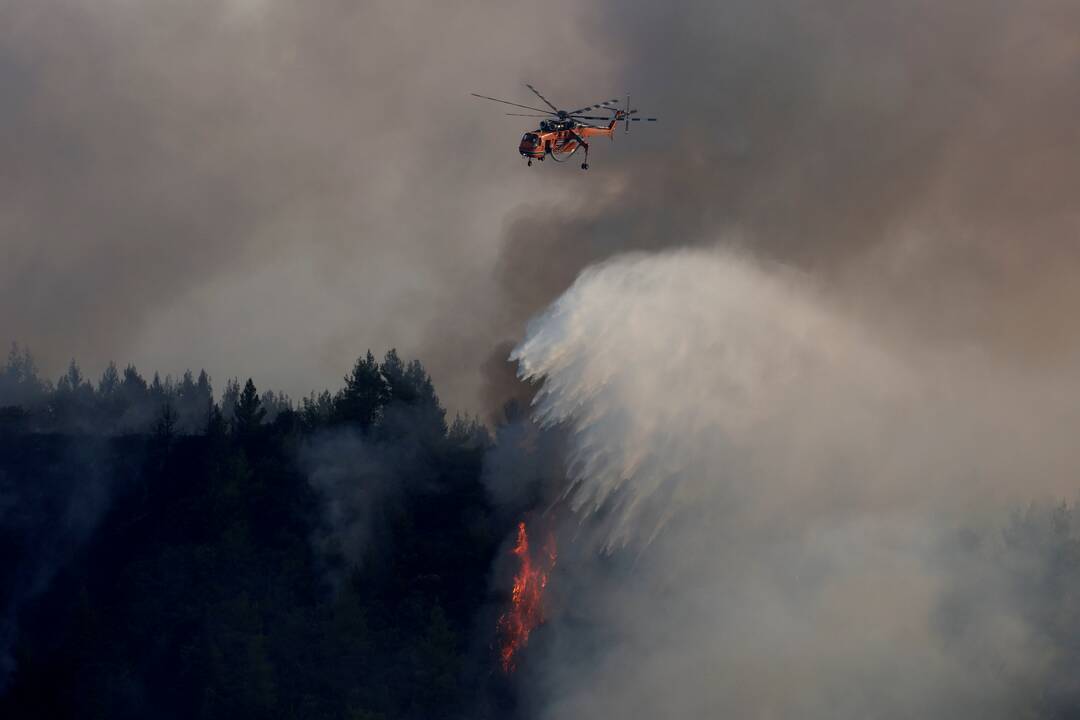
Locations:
column 19, row 382
column 249, row 412
column 215, row 423
column 165, row 427
column 365, row 393
column 230, row 397
column 110, row 381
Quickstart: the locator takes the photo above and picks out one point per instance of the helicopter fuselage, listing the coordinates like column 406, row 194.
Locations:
column 562, row 132
column 559, row 137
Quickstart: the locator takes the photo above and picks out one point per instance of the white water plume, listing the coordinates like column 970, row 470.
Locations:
column 790, row 481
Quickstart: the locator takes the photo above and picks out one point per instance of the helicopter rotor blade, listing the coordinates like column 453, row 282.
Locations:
column 597, row 106
column 527, row 115
column 507, row 102
column 624, row 115
column 546, row 101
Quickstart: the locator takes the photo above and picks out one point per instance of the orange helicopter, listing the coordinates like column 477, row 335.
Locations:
column 562, row 133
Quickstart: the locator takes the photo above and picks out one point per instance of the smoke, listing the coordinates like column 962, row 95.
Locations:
column 360, row 485
column 186, row 183
column 352, row 482
column 199, row 179
column 912, row 155
column 766, row 494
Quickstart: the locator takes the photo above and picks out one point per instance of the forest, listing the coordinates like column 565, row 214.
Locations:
column 167, row 554
column 167, row 551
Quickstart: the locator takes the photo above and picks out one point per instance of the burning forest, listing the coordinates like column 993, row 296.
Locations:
column 347, row 556
column 526, row 610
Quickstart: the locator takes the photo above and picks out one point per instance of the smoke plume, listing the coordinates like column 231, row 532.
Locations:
column 266, row 187
column 767, row 496
column 186, row 184
column 917, row 156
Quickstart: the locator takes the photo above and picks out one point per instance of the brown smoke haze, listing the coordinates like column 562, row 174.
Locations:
column 794, row 451
column 266, row 188
column 273, row 187
column 918, row 157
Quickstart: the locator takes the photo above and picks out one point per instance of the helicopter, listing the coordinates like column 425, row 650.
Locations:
column 563, row 132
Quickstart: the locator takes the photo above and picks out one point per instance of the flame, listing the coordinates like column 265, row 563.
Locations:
column 526, row 599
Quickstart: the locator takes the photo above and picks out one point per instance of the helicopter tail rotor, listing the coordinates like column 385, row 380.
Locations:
column 625, row 116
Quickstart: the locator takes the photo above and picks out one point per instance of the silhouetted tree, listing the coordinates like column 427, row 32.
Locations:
column 199, row 591
column 317, row 410
column 413, row 407
column 275, row 404
column 468, row 433
column 19, row 382
column 110, row 381
column 249, row 413
column 137, row 411
column 230, row 397
column 73, row 403
column 110, row 401
column 193, row 398
column 165, row 427
column 215, row 426
column 365, row 393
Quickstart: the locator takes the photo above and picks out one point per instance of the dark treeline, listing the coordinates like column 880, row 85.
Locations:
column 121, row 402
column 165, row 554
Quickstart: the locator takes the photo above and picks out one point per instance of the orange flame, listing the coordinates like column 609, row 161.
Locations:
column 526, row 599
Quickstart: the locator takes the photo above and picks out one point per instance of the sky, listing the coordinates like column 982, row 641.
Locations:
column 270, row 189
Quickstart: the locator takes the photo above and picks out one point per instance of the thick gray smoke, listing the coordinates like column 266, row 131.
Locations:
column 266, row 188
column 261, row 188
column 918, row 155
column 787, row 479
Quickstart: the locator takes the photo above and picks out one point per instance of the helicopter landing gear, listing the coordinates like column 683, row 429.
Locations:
column 584, row 146
column 530, row 163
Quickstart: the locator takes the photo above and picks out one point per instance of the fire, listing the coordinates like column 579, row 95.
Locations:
column 526, row 599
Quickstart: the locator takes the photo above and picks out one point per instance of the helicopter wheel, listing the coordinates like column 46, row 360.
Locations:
column 585, row 162
column 530, row 163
